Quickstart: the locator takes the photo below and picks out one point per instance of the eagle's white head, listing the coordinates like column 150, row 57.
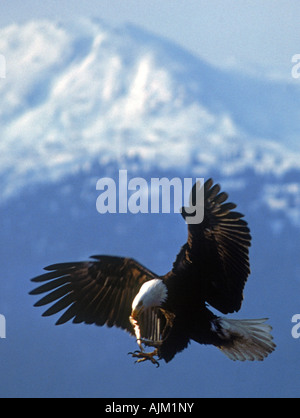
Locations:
column 152, row 293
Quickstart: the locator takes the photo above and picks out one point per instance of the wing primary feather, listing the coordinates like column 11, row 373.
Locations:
column 68, row 314
column 64, row 266
column 49, row 276
column 214, row 191
column 50, row 285
column 222, row 197
column 56, row 294
column 60, row 305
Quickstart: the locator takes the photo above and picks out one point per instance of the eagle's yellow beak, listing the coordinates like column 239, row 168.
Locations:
column 136, row 312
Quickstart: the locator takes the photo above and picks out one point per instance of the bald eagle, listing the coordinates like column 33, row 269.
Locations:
column 167, row 312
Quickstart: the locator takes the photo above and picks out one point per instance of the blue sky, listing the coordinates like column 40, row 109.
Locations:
column 250, row 34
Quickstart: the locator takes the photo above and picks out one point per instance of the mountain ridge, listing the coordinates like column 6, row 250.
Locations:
column 122, row 96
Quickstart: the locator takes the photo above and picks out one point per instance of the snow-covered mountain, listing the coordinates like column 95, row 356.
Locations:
column 83, row 93
column 82, row 100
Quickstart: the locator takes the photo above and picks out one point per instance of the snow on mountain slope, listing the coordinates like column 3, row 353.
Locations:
column 83, row 93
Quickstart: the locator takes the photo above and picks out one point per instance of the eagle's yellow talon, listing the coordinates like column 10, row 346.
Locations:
column 143, row 356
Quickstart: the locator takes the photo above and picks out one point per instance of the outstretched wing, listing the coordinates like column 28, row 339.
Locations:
column 217, row 251
column 98, row 292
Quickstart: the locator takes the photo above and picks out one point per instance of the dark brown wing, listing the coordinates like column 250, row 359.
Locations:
column 99, row 291
column 217, row 251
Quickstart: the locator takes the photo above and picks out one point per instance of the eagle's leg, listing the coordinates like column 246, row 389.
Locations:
column 143, row 356
column 151, row 343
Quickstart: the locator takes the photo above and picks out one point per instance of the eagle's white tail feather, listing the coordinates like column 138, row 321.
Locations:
column 248, row 339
